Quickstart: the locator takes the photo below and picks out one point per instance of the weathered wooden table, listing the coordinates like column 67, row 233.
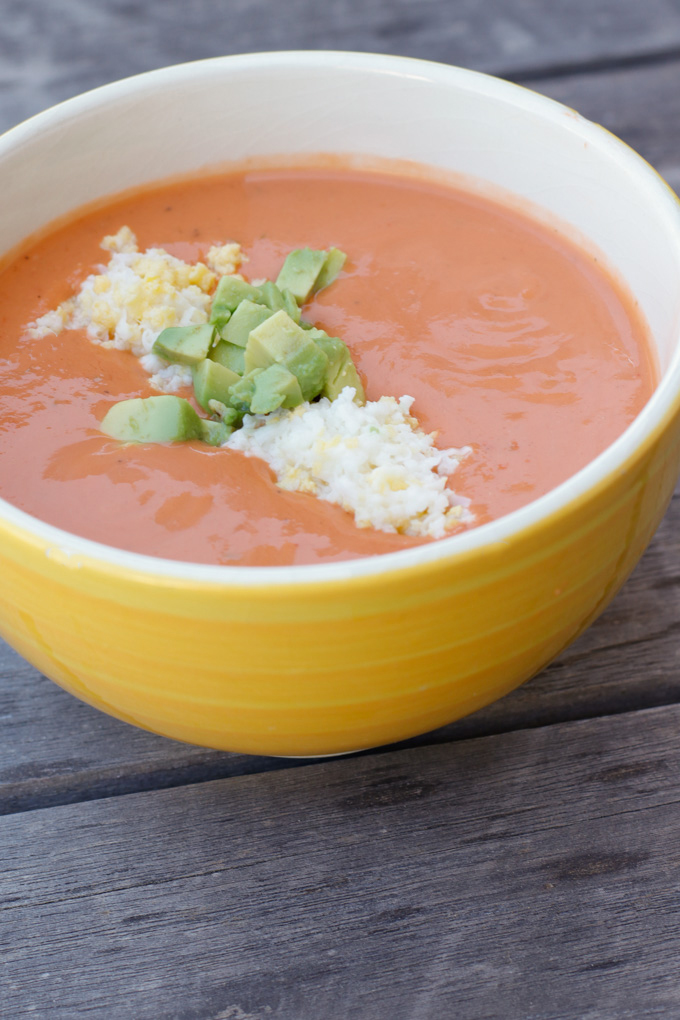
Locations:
column 523, row 863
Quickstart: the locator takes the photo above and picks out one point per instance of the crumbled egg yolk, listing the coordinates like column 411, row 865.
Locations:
column 139, row 294
column 225, row 259
column 124, row 240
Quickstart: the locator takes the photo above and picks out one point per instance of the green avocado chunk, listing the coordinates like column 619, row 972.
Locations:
column 212, row 382
column 229, row 355
column 281, row 340
column 228, row 296
column 307, row 271
column 300, row 272
column 275, row 387
column 335, row 260
column 271, row 296
column 184, row 345
column 165, row 419
column 219, row 410
column 247, row 316
column 219, row 319
column 290, row 305
column 241, row 393
column 276, row 299
column 341, row 369
column 214, row 433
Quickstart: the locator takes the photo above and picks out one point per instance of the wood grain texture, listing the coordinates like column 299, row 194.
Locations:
column 53, row 49
column 528, row 876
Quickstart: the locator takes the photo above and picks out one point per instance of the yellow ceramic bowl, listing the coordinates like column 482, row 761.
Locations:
column 324, row 659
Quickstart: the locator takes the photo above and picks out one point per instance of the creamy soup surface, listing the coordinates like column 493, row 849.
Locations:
column 511, row 339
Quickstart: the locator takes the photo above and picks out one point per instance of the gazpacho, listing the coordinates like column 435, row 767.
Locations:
column 197, row 393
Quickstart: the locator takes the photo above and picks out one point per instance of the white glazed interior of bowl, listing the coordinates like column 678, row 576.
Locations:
column 193, row 116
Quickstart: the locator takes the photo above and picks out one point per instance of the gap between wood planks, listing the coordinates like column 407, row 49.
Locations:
column 115, row 781
column 597, row 65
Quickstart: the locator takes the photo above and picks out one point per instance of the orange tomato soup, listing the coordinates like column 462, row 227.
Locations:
column 511, row 339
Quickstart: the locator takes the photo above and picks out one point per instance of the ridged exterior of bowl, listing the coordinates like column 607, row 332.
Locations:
column 315, row 668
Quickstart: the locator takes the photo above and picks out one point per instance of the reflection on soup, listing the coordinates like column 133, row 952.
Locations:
column 511, row 340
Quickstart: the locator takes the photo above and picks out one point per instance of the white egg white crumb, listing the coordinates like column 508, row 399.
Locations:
column 372, row 460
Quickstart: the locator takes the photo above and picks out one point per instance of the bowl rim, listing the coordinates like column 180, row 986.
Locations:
column 613, row 461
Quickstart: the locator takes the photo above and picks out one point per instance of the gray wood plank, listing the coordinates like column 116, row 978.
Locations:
column 53, row 49
column 528, row 876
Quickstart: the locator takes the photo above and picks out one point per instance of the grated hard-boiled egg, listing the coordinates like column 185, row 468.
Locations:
column 136, row 296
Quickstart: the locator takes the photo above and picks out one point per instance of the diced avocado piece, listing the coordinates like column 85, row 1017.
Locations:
column 228, row 296
column 341, row 369
column 185, row 345
column 247, row 316
column 214, row 433
column 271, row 296
column 281, row 340
column 290, row 305
column 335, row 260
column 228, row 414
column 220, row 319
column 275, row 387
column 165, row 419
column 334, row 349
column 212, row 382
column 241, row 393
column 228, row 355
column 317, row 334
column 347, row 376
column 300, row 271
column 276, row 299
